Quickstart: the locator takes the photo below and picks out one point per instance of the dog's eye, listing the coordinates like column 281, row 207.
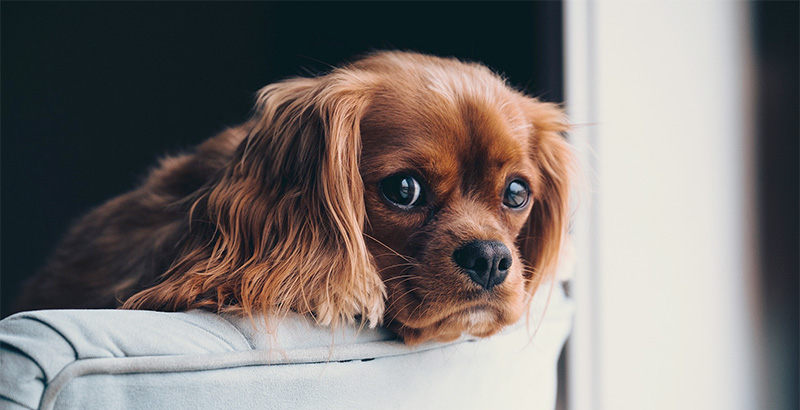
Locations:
column 516, row 195
column 403, row 190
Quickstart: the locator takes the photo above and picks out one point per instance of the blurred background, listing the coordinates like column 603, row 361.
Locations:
column 687, row 292
column 686, row 119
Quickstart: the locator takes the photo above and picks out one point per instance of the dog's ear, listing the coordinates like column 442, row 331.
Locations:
column 281, row 227
column 544, row 235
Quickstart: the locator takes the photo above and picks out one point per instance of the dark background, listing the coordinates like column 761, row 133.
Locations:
column 94, row 93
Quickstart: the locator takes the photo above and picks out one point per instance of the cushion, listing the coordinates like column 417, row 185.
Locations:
column 121, row 359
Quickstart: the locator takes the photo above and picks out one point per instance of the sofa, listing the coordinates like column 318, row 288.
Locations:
column 121, row 359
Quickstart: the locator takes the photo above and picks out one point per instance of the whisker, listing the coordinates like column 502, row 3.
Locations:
column 400, row 310
column 421, row 303
column 401, row 296
column 406, row 280
column 381, row 255
column 400, row 277
column 406, row 258
column 397, row 265
column 533, row 272
column 407, row 277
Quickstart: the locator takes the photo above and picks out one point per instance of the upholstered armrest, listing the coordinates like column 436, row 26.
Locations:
column 109, row 359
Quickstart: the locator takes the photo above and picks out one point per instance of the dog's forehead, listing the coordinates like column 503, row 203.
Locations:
column 444, row 131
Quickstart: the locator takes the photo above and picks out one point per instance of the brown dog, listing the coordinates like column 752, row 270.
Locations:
column 412, row 189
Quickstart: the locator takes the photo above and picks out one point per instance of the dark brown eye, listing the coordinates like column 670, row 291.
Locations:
column 516, row 195
column 402, row 190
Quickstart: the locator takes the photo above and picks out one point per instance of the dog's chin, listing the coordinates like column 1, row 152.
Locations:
column 481, row 320
column 446, row 305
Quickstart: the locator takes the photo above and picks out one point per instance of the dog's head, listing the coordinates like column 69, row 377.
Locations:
column 419, row 190
column 465, row 185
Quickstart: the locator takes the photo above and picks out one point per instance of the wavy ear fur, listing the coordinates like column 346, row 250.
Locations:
column 546, row 231
column 280, row 227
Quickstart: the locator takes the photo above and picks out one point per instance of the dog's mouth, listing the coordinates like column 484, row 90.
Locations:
column 432, row 295
column 417, row 315
column 479, row 321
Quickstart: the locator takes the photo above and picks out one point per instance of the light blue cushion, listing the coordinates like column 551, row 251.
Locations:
column 118, row 359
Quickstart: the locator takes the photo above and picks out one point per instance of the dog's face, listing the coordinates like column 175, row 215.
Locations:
column 450, row 179
column 412, row 189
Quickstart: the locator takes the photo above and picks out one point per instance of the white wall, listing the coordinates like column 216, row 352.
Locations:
column 660, row 93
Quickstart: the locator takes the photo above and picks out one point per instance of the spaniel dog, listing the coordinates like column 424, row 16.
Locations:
column 419, row 192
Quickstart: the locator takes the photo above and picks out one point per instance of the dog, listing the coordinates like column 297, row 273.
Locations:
column 420, row 192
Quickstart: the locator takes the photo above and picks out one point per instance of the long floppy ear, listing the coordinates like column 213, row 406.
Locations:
column 546, row 230
column 281, row 229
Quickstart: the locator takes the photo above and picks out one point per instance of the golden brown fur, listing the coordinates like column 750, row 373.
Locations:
column 285, row 212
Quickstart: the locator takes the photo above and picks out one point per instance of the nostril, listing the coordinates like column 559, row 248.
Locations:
column 481, row 265
column 504, row 264
column 465, row 258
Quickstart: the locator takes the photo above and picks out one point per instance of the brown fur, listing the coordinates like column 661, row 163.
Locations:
column 284, row 213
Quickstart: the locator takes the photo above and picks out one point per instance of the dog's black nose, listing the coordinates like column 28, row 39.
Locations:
column 486, row 262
